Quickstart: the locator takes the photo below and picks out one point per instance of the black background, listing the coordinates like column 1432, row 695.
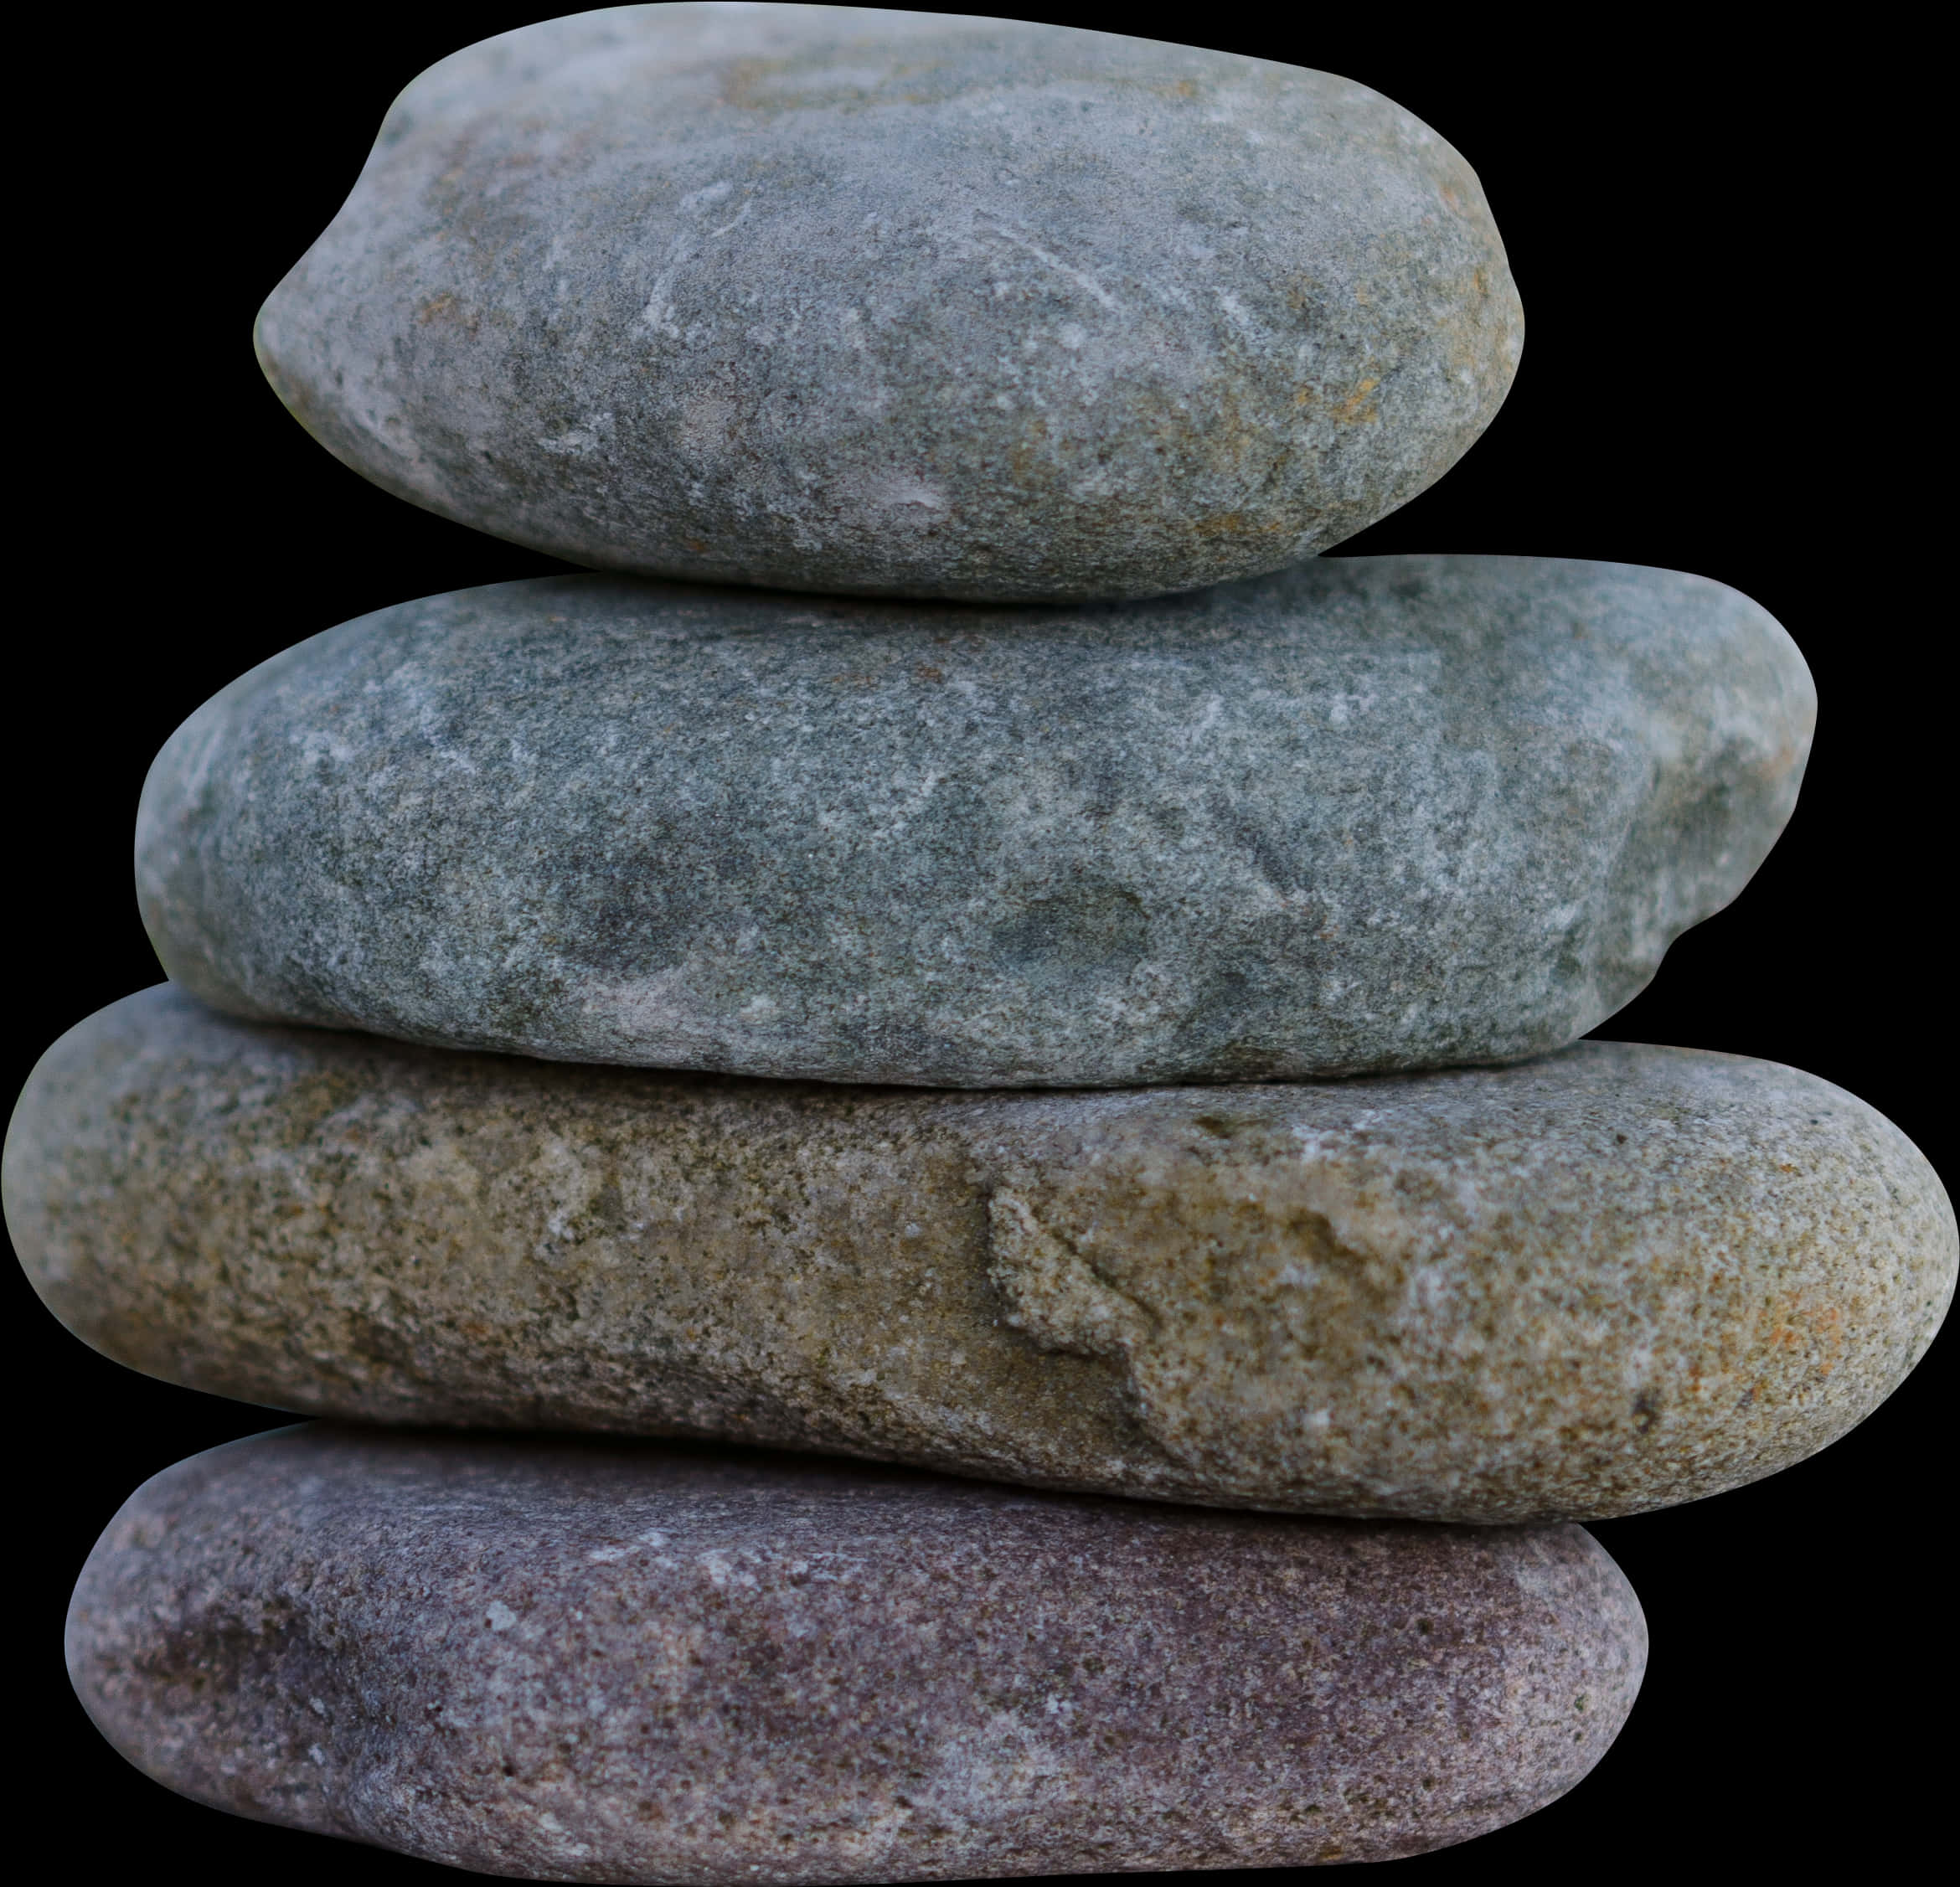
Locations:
column 1729, row 333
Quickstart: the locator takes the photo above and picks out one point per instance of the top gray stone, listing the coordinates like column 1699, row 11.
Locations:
column 1366, row 814
column 910, row 304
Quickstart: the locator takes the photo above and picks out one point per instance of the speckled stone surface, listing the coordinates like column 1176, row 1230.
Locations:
column 1619, row 1278
column 1367, row 814
column 899, row 303
column 569, row 1662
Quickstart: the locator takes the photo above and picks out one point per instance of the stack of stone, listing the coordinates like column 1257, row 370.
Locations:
column 898, row 1020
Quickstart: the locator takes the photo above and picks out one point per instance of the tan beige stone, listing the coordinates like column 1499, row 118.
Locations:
column 1617, row 1278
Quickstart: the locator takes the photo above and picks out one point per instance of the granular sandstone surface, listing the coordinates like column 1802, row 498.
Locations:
column 915, row 304
column 1367, row 814
column 570, row 1663
column 1614, row 1279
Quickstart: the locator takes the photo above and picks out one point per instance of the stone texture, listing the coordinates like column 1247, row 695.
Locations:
column 898, row 304
column 570, row 1663
column 1619, row 1278
column 1367, row 814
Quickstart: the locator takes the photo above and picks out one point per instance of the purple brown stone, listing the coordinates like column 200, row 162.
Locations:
column 613, row 1662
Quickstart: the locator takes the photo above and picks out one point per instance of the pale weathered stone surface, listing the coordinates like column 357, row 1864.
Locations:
column 572, row 1663
column 899, row 303
column 1619, row 1278
column 1370, row 813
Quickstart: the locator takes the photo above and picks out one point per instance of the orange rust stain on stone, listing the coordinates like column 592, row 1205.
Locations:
column 1815, row 1328
column 1358, row 408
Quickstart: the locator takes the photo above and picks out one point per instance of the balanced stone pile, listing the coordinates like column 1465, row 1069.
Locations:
column 971, row 940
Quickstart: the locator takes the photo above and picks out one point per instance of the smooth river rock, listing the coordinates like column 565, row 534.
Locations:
column 1366, row 814
column 569, row 1662
column 1616, row 1279
column 909, row 304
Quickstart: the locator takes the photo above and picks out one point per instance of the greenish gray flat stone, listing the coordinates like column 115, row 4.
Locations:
column 1619, row 1278
column 911, row 304
column 569, row 1662
column 1365, row 814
